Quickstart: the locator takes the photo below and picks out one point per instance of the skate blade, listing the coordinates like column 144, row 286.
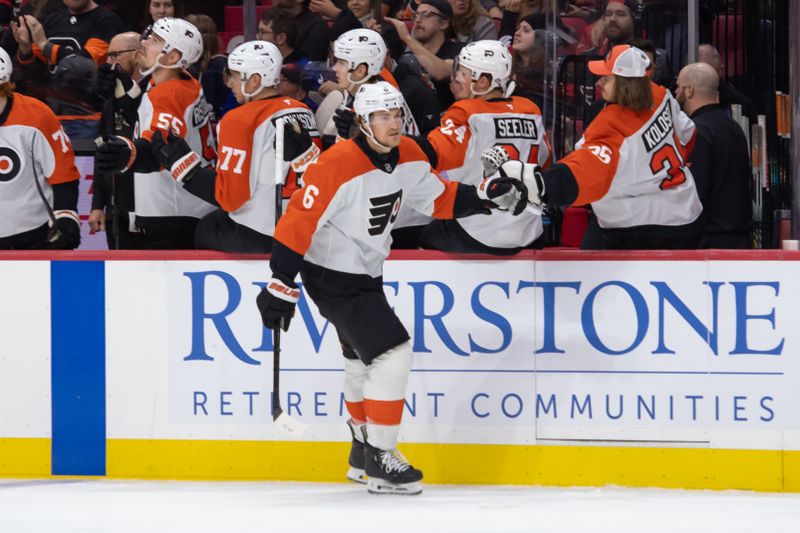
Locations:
column 357, row 475
column 379, row 486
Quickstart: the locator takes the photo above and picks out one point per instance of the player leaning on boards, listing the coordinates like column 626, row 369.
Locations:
column 33, row 146
column 481, row 125
column 631, row 162
column 165, row 213
column 336, row 233
column 243, row 185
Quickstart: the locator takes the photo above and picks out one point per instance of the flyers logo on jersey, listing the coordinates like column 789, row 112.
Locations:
column 384, row 211
column 9, row 164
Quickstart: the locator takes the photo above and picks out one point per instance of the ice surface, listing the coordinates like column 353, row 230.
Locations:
column 94, row 506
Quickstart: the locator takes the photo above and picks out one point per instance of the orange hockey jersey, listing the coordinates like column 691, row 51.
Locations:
column 245, row 183
column 343, row 216
column 33, row 146
column 468, row 128
column 178, row 105
column 631, row 166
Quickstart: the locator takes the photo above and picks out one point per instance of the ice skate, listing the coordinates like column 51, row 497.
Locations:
column 356, row 471
column 389, row 473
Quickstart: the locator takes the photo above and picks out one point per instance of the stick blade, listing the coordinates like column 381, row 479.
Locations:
column 289, row 426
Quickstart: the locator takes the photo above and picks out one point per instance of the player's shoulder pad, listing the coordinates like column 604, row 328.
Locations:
column 31, row 111
column 410, row 151
column 525, row 105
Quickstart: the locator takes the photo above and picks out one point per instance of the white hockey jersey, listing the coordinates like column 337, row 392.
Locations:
column 631, row 166
column 468, row 128
column 343, row 216
column 33, row 146
column 177, row 105
column 245, row 184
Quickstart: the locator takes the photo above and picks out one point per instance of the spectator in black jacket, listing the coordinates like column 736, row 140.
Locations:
column 728, row 94
column 719, row 162
column 312, row 30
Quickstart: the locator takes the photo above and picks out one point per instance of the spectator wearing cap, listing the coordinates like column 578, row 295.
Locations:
column 720, row 160
column 431, row 46
column 295, row 86
column 631, row 164
column 279, row 27
column 527, row 52
column 312, row 31
column 471, row 22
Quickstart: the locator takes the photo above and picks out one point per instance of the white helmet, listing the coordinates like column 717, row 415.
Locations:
column 487, row 57
column 379, row 96
column 180, row 35
column 6, row 66
column 257, row 57
column 361, row 46
column 372, row 97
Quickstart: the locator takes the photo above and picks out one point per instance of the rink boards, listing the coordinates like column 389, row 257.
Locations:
column 556, row 367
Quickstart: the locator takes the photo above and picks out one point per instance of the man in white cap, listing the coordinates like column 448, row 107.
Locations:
column 630, row 164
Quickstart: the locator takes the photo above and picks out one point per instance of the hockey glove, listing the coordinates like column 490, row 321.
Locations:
column 114, row 82
column 174, row 154
column 65, row 234
column 492, row 158
column 345, row 120
column 115, row 154
column 277, row 301
column 504, row 193
column 531, row 176
column 298, row 148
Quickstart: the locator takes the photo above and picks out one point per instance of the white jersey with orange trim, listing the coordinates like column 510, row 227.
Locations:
column 245, row 183
column 33, row 146
column 471, row 126
column 343, row 216
column 178, row 105
column 631, row 166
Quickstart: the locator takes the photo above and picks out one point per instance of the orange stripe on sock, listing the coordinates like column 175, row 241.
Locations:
column 386, row 413
column 356, row 410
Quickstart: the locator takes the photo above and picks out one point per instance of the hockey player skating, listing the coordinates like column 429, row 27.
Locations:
column 38, row 177
column 243, row 185
column 336, row 234
column 165, row 213
column 478, row 133
column 631, row 162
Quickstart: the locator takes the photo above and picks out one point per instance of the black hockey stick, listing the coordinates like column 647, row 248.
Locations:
column 54, row 233
column 283, row 421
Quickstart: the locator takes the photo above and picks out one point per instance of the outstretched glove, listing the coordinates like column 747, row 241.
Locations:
column 298, row 147
column 277, row 301
column 65, row 234
column 531, row 175
column 115, row 154
column 174, row 154
column 504, row 193
column 344, row 119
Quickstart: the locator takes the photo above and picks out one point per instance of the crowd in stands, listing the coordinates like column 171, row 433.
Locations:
column 184, row 120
